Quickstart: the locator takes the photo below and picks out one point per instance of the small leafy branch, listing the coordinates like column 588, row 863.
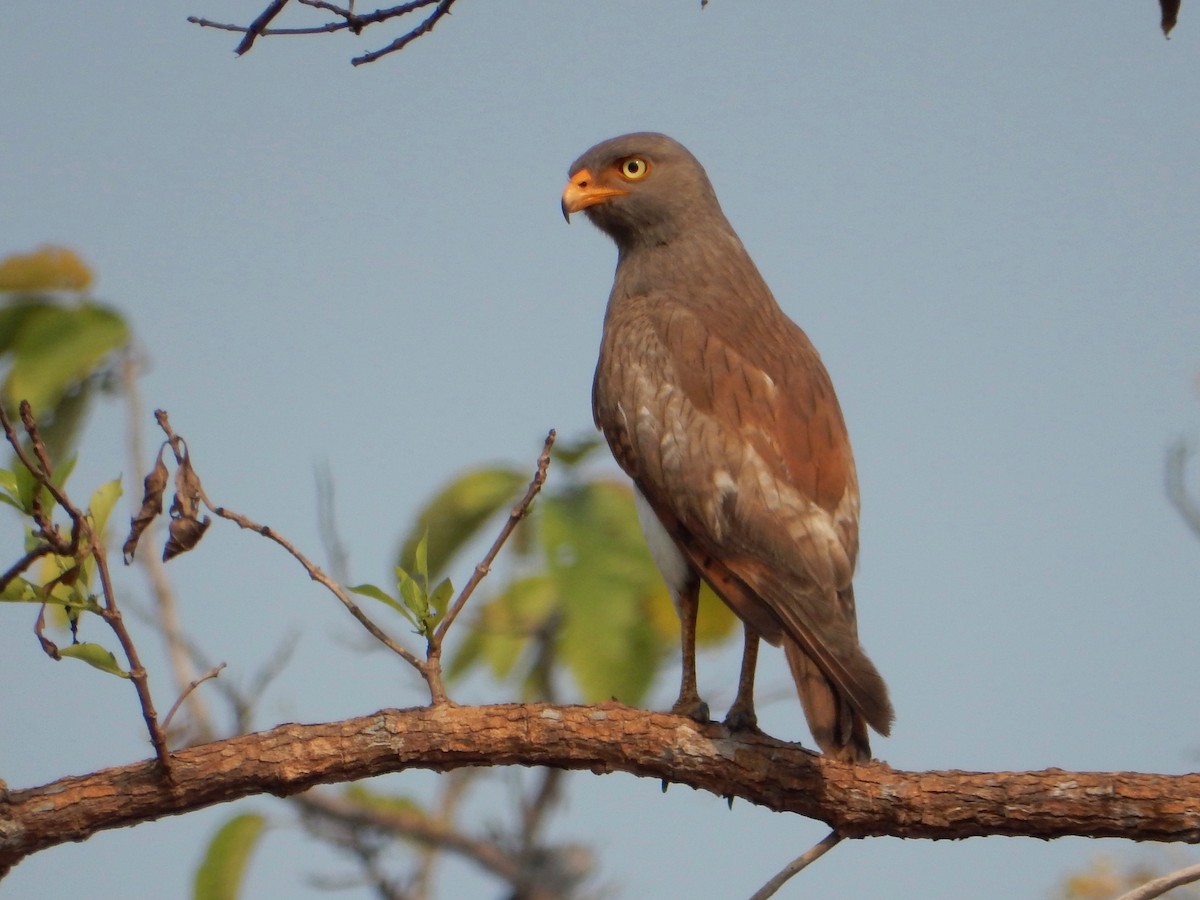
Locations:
column 75, row 562
column 424, row 608
column 428, row 610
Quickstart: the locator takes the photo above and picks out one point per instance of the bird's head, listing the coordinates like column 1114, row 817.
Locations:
column 640, row 188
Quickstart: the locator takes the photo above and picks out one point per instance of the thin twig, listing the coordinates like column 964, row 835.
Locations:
column 166, row 621
column 516, row 514
column 314, row 571
column 454, row 787
column 111, row 614
column 533, row 814
column 42, row 473
column 1160, row 886
column 259, row 25
column 24, row 563
column 349, row 20
column 1177, row 493
column 442, row 9
column 417, row 826
column 319, row 576
column 335, row 547
column 433, row 653
column 211, row 673
column 269, row 32
column 812, row 854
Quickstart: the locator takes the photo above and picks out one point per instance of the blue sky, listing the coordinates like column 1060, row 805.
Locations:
column 985, row 216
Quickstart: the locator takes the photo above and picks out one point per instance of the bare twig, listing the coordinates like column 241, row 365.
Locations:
column 442, row 9
column 812, row 854
column 417, row 826
column 348, row 19
column 211, row 673
column 166, row 619
column 259, row 25
column 314, row 571
column 335, row 547
column 533, row 813
column 317, row 575
column 137, row 673
column 1160, row 886
column 515, row 516
column 42, row 471
column 269, row 32
column 453, row 788
column 433, row 671
column 24, row 563
column 1177, row 493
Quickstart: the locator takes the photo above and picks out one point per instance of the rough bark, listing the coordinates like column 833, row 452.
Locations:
column 857, row 801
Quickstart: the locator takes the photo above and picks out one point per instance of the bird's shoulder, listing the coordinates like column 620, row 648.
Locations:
column 755, row 379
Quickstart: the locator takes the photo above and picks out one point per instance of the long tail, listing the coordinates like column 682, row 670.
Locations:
column 839, row 730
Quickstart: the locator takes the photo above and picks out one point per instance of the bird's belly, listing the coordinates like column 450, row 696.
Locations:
column 674, row 567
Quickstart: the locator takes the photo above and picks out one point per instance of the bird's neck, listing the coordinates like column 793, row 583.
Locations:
column 695, row 266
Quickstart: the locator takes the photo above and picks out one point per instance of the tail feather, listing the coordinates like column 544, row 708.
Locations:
column 838, row 728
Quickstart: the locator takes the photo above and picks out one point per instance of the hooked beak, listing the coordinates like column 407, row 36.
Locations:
column 582, row 191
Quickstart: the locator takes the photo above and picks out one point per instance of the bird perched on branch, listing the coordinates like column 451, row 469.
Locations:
column 718, row 407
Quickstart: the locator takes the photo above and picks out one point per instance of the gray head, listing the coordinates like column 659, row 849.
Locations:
column 642, row 188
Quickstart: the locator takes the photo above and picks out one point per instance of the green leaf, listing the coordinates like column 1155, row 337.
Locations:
column 20, row 591
column 412, row 594
column 61, row 422
column 219, row 876
column 97, row 656
column 13, row 316
column 598, row 559
column 377, row 802
column 455, row 515
column 441, row 595
column 375, row 593
column 27, row 486
column 63, row 470
column 421, row 558
column 58, row 347
column 572, row 453
column 102, row 503
column 504, row 626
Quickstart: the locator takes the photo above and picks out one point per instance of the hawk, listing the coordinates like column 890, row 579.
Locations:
column 719, row 409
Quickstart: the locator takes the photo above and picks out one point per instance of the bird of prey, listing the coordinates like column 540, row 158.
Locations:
column 718, row 407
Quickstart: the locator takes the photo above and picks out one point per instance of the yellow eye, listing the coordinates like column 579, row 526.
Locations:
column 634, row 169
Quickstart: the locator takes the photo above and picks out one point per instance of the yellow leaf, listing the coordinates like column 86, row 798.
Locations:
column 48, row 268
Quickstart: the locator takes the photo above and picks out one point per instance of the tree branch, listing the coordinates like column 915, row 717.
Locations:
column 1160, row 886
column 856, row 801
column 797, row 865
column 1177, row 493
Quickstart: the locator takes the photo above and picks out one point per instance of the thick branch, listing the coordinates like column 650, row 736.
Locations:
column 856, row 801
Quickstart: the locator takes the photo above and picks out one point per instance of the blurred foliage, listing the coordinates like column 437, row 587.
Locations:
column 47, row 268
column 1105, row 880
column 56, row 345
column 219, row 876
column 582, row 594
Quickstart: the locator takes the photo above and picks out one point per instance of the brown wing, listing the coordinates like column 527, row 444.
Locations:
column 739, row 445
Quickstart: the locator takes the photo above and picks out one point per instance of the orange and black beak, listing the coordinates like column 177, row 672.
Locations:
column 582, row 191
